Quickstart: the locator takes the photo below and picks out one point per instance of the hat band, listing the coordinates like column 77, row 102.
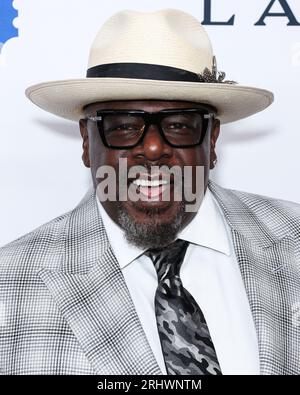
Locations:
column 142, row 71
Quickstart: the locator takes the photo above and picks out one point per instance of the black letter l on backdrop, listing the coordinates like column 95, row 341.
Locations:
column 287, row 12
column 207, row 16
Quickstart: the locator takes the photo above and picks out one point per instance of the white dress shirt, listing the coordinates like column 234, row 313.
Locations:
column 210, row 272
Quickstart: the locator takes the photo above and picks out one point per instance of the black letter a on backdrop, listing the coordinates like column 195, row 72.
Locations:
column 207, row 16
column 287, row 12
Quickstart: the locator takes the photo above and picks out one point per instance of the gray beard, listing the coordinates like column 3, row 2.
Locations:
column 151, row 234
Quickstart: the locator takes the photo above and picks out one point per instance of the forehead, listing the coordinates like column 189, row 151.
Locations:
column 145, row 105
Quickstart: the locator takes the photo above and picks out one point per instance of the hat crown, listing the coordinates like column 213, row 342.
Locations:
column 167, row 37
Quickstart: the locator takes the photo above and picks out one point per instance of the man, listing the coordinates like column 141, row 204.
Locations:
column 148, row 286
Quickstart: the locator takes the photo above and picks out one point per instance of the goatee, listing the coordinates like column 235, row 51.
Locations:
column 153, row 233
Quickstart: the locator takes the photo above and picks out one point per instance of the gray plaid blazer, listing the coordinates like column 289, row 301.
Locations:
column 65, row 307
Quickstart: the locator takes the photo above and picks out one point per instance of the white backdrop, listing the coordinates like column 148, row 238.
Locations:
column 41, row 172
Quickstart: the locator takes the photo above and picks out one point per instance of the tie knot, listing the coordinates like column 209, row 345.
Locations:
column 167, row 261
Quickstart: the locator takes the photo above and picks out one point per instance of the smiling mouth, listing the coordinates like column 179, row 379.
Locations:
column 153, row 188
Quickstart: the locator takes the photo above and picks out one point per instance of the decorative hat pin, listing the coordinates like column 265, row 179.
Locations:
column 214, row 76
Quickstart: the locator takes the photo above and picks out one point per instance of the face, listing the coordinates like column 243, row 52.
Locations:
column 152, row 223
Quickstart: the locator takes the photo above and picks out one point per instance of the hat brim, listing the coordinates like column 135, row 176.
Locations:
column 66, row 98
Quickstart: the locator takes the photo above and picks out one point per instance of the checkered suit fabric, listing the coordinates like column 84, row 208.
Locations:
column 65, row 307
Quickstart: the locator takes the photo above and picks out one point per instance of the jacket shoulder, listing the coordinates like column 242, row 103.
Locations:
column 256, row 200
column 252, row 212
column 36, row 245
column 45, row 242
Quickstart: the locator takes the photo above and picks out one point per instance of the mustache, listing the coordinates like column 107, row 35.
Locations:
column 158, row 172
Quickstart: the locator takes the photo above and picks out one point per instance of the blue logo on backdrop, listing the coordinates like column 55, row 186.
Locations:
column 7, row 14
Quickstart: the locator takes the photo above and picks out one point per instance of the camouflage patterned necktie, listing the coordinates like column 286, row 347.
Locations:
column 184, row 335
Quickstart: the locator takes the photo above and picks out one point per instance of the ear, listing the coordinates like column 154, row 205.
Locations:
column 85, row 142
column 213, row 139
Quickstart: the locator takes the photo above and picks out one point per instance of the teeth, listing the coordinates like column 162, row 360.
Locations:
column 148, row 183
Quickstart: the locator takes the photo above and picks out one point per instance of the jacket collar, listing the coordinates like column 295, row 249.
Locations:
column 245, row 216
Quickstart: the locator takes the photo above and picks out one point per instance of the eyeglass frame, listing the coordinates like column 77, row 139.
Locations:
column 153, row 118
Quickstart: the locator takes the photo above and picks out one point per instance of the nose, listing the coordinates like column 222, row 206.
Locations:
column 153, row 147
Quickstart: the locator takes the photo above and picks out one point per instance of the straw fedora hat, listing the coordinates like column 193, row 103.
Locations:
column 162, row 55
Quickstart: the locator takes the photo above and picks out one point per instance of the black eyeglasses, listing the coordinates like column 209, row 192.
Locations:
column 122, row 129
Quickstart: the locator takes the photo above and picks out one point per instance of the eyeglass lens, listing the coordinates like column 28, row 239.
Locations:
column 179, row 129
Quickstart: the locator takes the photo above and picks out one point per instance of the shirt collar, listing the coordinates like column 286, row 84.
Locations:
column 123, row 250
column 208, row 229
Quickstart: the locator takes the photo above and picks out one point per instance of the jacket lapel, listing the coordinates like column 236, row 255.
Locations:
column 91, row 294
column 271, row 277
